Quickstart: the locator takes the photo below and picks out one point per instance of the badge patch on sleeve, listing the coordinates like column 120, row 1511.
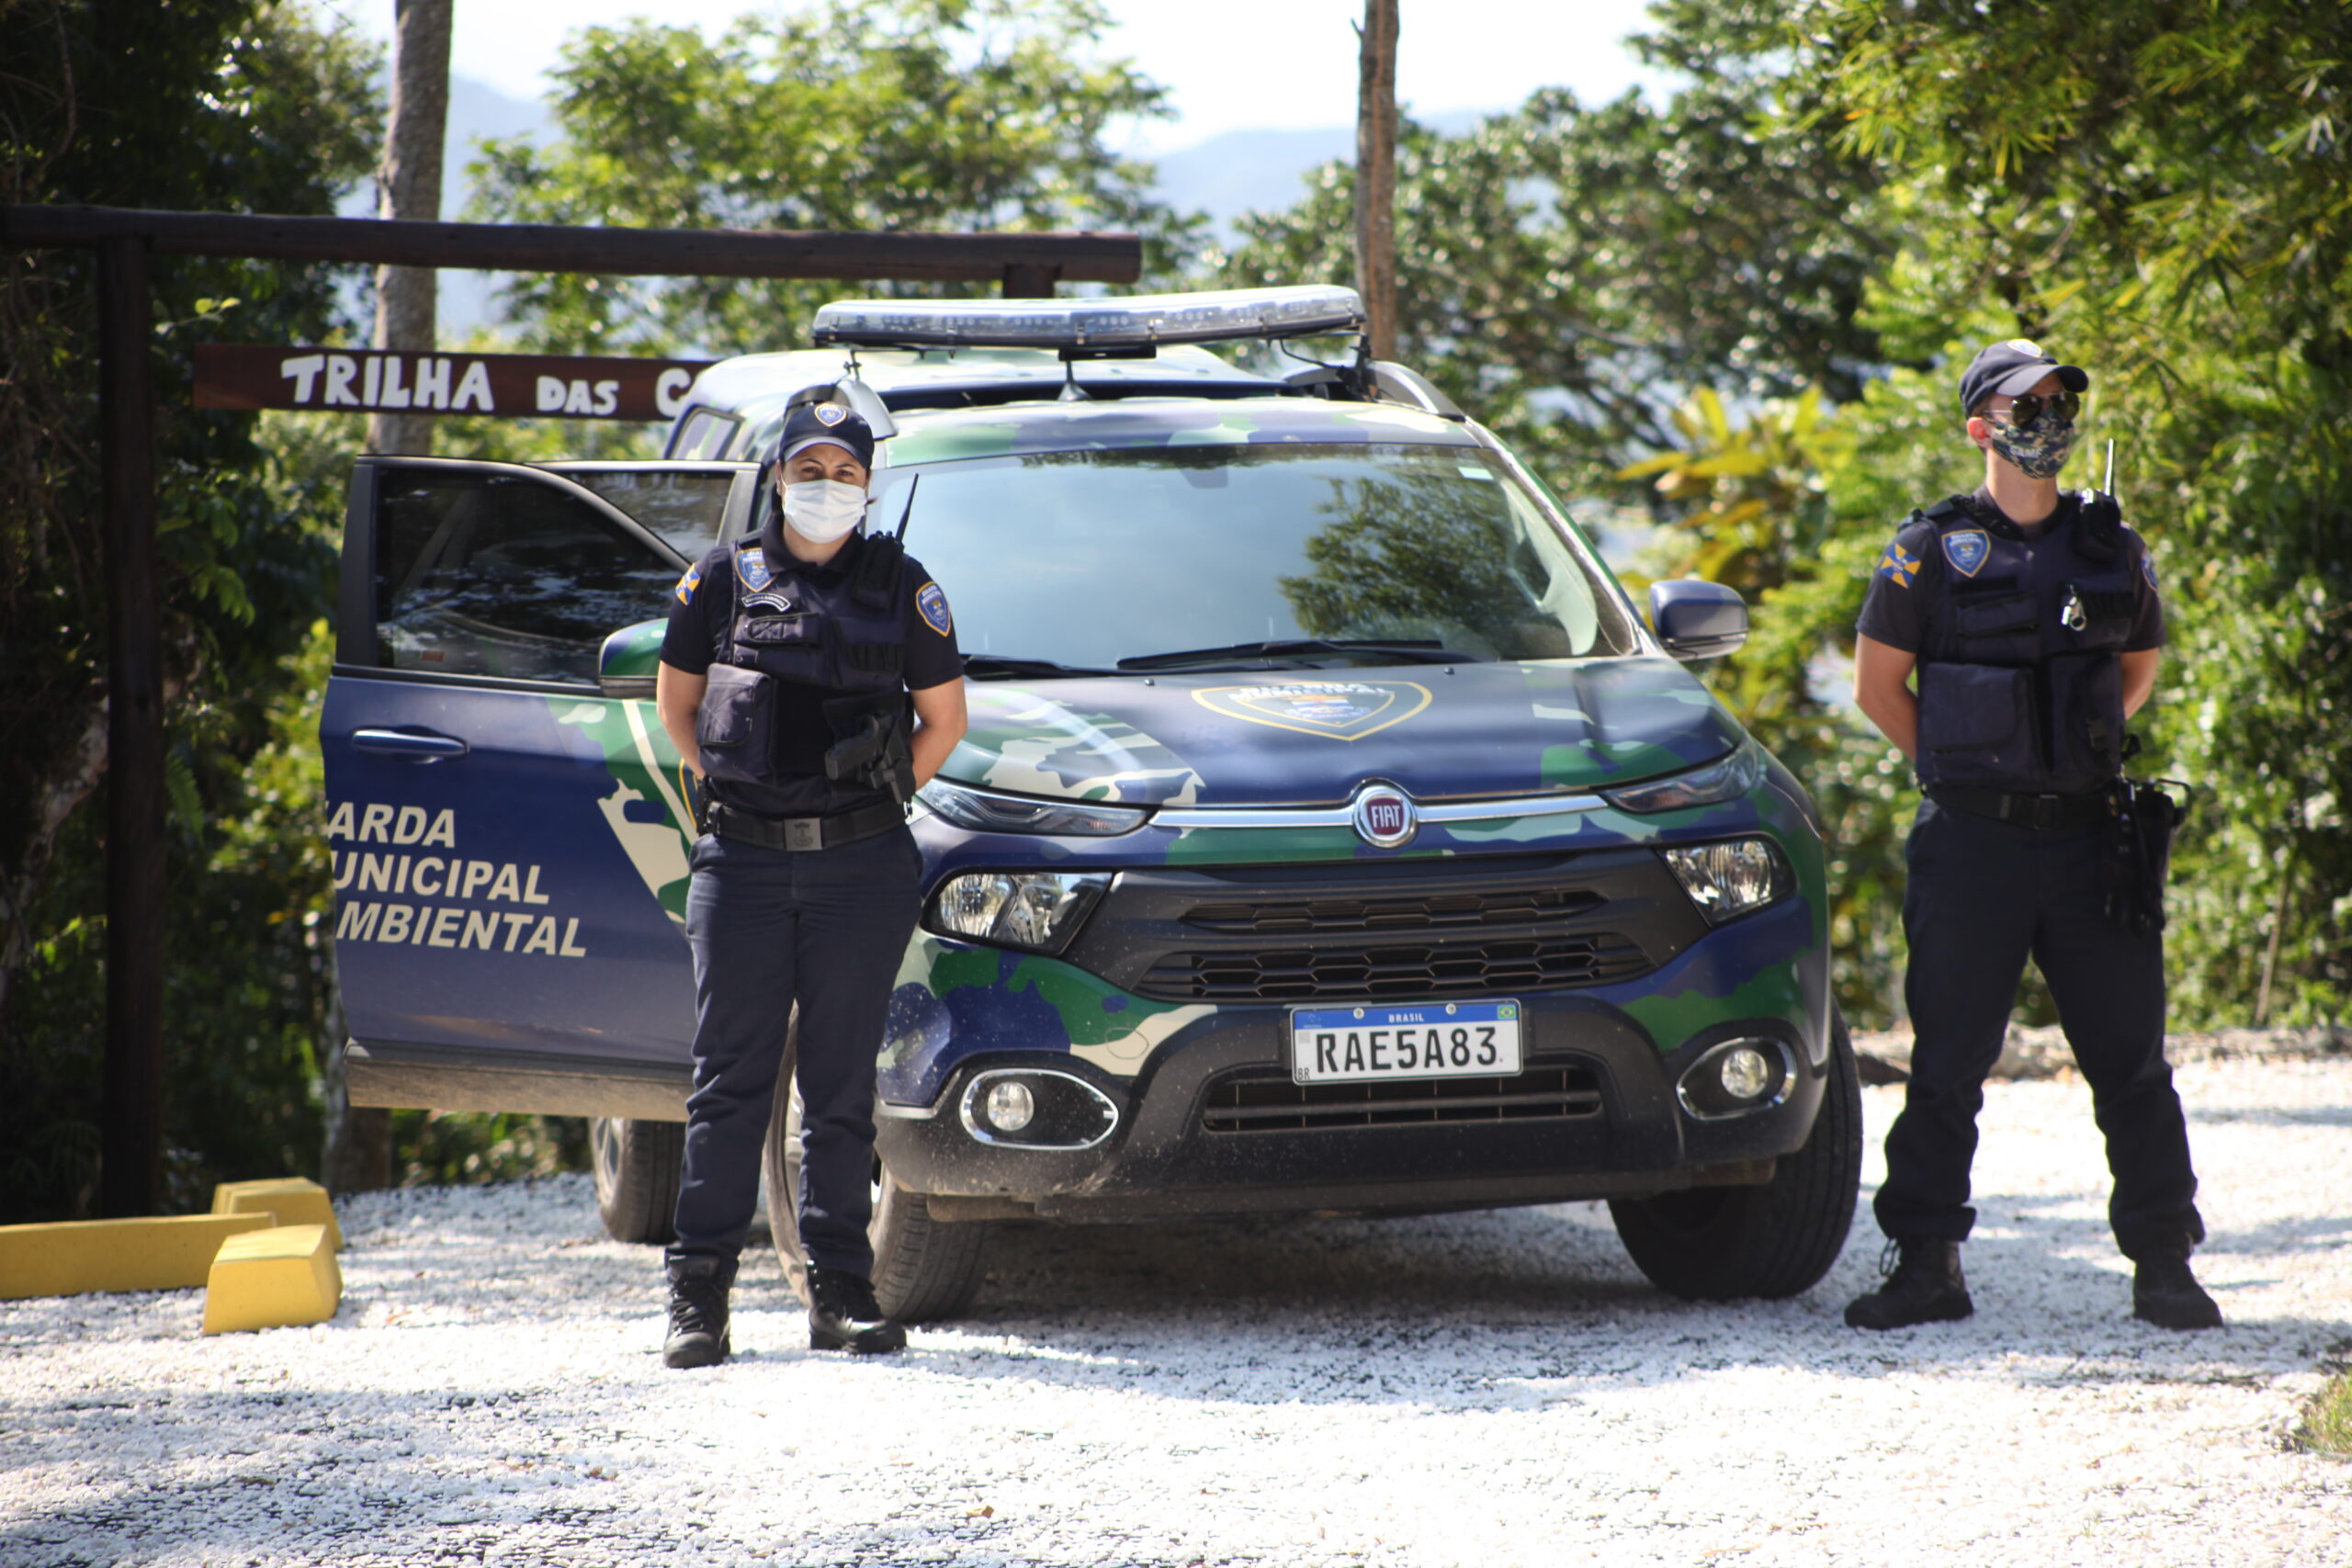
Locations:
column 1966, row 549
column 1898, row 564
column 751, row 566
column 688, row 584
column 2148, row 568
column 931, row 602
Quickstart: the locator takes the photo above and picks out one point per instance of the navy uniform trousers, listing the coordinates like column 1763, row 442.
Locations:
column 827, row 929
column 1983, row 894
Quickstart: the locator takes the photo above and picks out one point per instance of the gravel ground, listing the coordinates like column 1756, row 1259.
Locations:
column 1483, row 1388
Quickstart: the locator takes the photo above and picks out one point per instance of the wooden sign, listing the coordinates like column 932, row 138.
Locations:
column 504, row 386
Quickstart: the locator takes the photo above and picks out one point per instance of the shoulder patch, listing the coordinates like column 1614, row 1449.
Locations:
column 688, row 584
column 2148, row 568
column 751, row 566
column 1966, row 549
column 1898, row 565
column 931, row 602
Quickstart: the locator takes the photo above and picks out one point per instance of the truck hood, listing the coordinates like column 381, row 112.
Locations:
column 1311, row 738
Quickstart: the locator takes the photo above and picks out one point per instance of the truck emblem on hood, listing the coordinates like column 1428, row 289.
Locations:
column 1344, row 710
column 1383, row 814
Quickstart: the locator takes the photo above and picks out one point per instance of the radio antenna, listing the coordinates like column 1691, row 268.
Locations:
column 2110, row 486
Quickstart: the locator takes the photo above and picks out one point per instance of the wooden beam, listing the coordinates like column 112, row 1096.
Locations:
column 538, row 247
column 130, row 1167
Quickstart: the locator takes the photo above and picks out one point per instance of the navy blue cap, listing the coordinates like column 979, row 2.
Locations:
column 2011, row 367
column 816, row 415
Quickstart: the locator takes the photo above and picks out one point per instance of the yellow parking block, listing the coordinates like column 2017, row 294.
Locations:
column 273, row 1278
column 291, row 1200
column 74, row 1256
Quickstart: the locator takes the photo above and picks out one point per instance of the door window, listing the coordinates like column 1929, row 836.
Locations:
column 685, row 508
column 505, row 576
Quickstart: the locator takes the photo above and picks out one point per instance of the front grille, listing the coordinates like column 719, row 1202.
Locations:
column 1419, row 970
column 1268, row 1102
column 1431, row 911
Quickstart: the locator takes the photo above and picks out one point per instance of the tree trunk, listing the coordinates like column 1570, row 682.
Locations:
column 409, row 186
column 1376, row 172
column 359, row 1139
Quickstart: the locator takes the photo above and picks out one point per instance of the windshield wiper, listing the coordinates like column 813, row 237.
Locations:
column 997, row 666
column 1408, row 651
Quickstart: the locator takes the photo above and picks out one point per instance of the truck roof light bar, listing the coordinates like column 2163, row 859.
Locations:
column 1136, row 321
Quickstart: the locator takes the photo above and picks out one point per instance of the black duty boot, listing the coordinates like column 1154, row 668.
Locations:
column 843, row 1314
column 698, row 1289
column 2165, row 1294
column 1924, row 1286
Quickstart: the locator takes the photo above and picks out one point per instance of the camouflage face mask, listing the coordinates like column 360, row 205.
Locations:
column 2039, row 450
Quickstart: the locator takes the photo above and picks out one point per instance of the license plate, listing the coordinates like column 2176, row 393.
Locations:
column 1427, row 1040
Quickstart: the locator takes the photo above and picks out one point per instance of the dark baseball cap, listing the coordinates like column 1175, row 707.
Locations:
column 2011, row 367
column 816, row 415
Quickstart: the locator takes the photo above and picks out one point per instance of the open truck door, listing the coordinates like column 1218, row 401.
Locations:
column 508, row 822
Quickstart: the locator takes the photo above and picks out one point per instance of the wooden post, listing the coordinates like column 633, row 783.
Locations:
column 1376, row 172
column 1030, row 282
column 409, row 188
column 130, row 1113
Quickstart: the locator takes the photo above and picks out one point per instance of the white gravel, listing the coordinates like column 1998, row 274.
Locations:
column 1483, row 1388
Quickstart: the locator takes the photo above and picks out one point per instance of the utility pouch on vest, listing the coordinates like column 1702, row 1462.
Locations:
column 2085, row 717
column 1976, row 723
column 735, row 727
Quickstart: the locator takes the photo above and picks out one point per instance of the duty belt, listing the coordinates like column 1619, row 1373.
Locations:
column 807, row 832
column 2045, row 811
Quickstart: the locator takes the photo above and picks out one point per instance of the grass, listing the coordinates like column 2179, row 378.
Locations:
column 2326, row 1427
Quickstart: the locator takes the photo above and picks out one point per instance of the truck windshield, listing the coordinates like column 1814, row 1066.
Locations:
column 1087, row 558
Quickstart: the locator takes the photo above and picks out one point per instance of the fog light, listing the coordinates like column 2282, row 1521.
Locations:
column 1011, row 1105
column 1036, row 1108
column 1745, row 1073
column 1737, row 1078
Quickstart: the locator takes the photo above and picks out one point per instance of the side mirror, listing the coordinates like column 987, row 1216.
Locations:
column 866, row 403
column 1697, row 620
column 625, row 665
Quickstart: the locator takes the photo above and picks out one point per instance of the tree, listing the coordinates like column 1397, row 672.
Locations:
column 1573, row 273
column 234, row 105
column 2156, row 188
column 865, row 114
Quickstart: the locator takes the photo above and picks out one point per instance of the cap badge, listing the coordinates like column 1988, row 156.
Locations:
column 831, row 414
column 2024, row 346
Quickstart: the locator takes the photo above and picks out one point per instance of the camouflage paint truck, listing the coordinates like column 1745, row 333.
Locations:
column 1332, row 833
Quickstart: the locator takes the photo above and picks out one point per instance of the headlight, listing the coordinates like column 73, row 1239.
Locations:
column 986, row 811
column 1037, row 909
column 1726, row 778
column 1731, row 877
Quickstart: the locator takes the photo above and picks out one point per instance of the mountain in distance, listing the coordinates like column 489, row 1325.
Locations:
column 1262, row 170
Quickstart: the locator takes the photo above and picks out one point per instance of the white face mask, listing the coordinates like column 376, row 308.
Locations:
column 821, row 511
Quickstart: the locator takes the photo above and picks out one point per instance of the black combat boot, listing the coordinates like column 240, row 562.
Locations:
column 2165, row 1294
column 843, row 1314
column 698, row 1288
column 1924, row 1286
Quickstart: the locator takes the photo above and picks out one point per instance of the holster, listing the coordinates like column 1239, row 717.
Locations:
column 874, row 750
column 2141, row 818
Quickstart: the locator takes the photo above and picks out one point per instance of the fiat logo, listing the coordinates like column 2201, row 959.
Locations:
column 1383, row 816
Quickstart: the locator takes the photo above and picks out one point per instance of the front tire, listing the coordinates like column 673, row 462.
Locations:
column 638, row 1165
column 1776, row 1240
column 924, row 1268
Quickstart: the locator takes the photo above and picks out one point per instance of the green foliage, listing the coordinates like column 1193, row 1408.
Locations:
column 2327, row 1425
column 2158, row 189
column 1571, row 273
column 862, row 114
column 436, row 1148
column 218, row 105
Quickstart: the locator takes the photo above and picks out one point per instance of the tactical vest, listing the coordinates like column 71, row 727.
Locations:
column 2020, row 681
column 847, row 638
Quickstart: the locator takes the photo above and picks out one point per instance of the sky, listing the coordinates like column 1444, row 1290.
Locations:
column 1231, row 64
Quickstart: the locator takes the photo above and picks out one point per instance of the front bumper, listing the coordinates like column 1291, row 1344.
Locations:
column 1612, row 1127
